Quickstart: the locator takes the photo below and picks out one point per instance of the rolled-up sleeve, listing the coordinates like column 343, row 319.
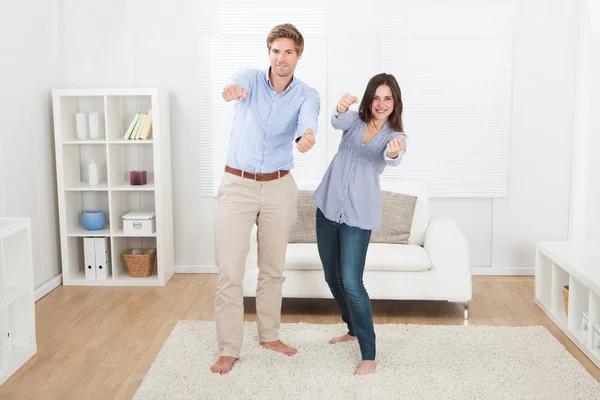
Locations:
column 242, row 77
column 308, row 117
column 344, row 120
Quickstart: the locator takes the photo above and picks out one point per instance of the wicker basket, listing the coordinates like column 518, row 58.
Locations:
column 139, row 262
column 565, row 291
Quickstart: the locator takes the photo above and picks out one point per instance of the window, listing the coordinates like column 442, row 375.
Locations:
column 453, row 62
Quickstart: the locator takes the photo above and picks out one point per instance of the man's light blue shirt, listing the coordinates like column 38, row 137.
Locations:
column 266, row 124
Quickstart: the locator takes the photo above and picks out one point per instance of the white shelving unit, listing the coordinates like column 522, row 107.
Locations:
column 115, row 158
column 17, row 305
column 576, row 264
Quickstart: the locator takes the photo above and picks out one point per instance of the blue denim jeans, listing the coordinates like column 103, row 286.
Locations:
column 343, row 250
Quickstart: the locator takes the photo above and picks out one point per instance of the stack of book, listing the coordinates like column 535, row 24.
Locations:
column 140, row 127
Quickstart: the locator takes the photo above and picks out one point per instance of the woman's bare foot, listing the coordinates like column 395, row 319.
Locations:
column 344, row 338
column 366, row 367
column 278, row 345
column 223, row 365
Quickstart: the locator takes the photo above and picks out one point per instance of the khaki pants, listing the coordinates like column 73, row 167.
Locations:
column 241, row 203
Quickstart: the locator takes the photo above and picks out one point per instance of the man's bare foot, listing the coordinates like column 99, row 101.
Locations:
column 278, row 345
column 366, row 367
column 344, row 338
column 223, row 365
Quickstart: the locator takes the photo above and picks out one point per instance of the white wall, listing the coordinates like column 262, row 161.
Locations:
column 593, row 45
column 29, row 69
column 545, row 60
column 135, row 43
column 585, row 193
column 150, row 43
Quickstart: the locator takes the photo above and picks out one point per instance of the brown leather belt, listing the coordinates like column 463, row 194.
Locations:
column 257, row 177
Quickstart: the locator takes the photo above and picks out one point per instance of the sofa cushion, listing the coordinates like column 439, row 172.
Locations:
column 421, row 215
column 380, row 257
column 396, row 218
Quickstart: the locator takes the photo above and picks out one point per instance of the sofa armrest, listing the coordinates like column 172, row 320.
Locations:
column 447, row 246
column 252, row 257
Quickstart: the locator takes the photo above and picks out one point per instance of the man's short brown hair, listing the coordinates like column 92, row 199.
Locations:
column 287, row 31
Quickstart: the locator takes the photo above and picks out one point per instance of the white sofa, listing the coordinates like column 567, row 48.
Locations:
column 434, row 265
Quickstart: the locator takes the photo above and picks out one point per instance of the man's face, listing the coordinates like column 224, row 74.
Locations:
column 283, row 57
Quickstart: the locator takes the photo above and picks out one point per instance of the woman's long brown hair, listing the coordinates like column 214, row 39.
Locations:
column 364, row 109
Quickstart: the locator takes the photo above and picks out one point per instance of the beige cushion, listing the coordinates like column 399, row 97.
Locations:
column 380, row 257
column 397, row 216
column 420, row 220
column 305, row 230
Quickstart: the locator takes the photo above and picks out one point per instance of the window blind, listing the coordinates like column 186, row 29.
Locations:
column 452, row 59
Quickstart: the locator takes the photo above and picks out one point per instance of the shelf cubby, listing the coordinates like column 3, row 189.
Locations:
column 120, row 111
column 123, row 202
column 560, row 279
column 120, row 245
column 16, row 273
column 578, row 302
column 79, row 201
column 3, row 339
column 2, row 280
column 543, row 272
column 76, row 166
column 127, row 158
column 76, row 261
column 21, row 316
column 70, row 106
column 17, row 306
column 594, row 320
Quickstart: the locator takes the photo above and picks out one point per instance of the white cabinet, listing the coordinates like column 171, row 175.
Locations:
column 571, row 268
column 17, row 304
column 115, row 158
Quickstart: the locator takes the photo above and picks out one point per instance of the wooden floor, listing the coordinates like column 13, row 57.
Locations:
column 97, row 343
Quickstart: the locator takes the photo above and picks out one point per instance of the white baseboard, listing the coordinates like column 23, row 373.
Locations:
column 48, row 287
column 503, row 271
column 212, row 269
column 195, row 269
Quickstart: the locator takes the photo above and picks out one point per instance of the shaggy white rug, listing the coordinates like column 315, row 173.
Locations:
column 414, row 362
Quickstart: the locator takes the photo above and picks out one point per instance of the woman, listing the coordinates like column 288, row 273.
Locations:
column 349, row 202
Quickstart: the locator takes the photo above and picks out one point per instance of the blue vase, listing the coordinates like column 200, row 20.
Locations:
column 93, row 220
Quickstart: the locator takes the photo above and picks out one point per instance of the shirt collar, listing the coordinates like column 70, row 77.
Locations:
column 293, row 83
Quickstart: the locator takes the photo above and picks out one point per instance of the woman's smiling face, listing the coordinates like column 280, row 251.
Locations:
column 383, row 103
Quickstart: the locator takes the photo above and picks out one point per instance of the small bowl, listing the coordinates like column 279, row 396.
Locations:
column 93, row 220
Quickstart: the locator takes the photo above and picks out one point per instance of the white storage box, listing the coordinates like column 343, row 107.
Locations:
column 584, row 321
column 596, row 341
column 139, row 223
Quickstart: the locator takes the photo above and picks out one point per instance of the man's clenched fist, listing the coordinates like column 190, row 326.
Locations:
column 307, row 141
column 234, row 92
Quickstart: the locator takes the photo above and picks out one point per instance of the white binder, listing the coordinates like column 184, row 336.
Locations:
column 102, row 257
column 89, row 258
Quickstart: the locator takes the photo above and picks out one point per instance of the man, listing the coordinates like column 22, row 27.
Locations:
column 274, row 111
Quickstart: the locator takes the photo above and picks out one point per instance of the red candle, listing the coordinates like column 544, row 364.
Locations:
column 137, row 177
